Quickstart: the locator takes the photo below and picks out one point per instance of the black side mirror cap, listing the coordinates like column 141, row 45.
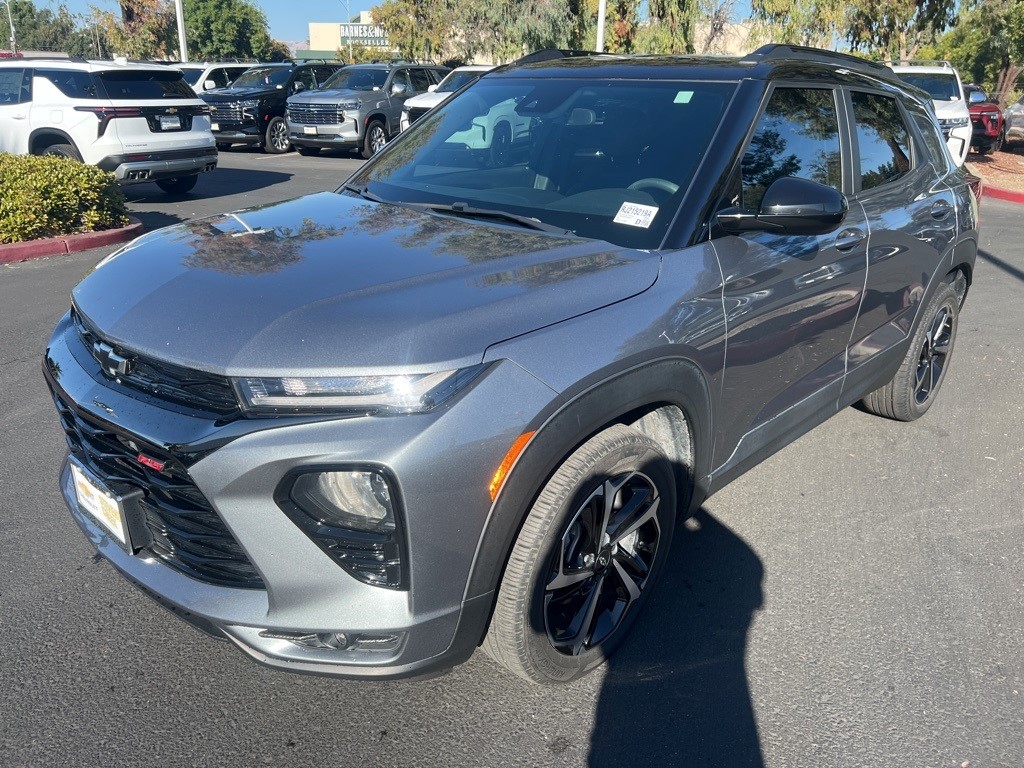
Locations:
column 791, row 206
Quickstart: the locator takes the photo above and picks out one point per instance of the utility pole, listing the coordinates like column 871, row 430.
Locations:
column 348, row 23
column 602, row 9
column 10, row 22
column 182, row 45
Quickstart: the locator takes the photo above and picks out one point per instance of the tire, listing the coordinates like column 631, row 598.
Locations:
column 985, row 149
column 63, row 150
column 308, row 151
column 374, row 139
column 179, row 185
column 531, row 629
column 223, row 146
column 275, row 140
column 913, row 389
column 501, row 145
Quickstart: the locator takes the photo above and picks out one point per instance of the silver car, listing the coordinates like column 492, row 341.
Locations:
column 359, row 107
column 1013, row 122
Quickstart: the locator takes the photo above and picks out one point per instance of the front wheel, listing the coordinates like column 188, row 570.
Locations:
column 585, row 560
column 276, row 139
column 375, row 138
column 913, row 389
column 179, row 185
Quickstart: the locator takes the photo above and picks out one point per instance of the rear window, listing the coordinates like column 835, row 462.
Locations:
column 145, row 85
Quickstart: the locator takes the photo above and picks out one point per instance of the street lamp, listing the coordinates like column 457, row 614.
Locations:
column 348, row 23
column 10, row 22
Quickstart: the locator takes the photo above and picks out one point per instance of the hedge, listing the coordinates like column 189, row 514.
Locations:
column 49, row 195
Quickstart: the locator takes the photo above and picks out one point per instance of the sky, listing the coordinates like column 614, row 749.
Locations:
column 285, row 23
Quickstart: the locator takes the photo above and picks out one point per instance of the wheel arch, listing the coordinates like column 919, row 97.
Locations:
column 41, row 138
column 667, row 399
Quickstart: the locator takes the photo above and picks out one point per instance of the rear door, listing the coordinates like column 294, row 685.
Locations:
column 912, row 219
column 790, row 300
column 15, row 96
column 395, row 103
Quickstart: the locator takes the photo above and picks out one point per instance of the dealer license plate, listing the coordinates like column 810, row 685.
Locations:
column 309, row 129
column 214, row 126
column 100, row 503
column 170, row 122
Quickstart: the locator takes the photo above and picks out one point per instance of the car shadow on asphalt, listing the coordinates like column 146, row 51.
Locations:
column 998, row 263
column 676, row 693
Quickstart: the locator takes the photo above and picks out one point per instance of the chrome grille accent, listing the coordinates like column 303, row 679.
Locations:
column 316, row 114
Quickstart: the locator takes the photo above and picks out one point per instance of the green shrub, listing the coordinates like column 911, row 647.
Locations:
column 48, row 195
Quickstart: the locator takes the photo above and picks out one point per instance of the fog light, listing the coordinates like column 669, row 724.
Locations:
column 359, row 501
column 352, row 515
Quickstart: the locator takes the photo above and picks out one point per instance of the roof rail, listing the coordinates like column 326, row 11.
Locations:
column 920, row 63
column 780, row 52
column 550, row 54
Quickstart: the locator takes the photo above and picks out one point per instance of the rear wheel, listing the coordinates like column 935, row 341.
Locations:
column 913, row 389
column 179, row 185
column 276, row 138
column 308, row 151
column 375, row 138
column 63, row 150
column 585, row 560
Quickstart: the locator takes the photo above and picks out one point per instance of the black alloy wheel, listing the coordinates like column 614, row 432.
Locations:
column 276, row 139
column 602, row 563
column 931, row 365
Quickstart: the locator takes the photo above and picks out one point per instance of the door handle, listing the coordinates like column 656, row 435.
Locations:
column 849, row 239
column 19, row 116
column 941, row 209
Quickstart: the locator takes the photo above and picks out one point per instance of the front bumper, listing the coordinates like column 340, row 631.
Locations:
column 442, row 462
column 342, row 135
column 153, row 166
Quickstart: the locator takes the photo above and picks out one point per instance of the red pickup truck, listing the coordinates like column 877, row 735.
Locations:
column 986, row 121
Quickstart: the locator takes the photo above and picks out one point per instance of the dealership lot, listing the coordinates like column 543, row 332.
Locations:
column 856, row 600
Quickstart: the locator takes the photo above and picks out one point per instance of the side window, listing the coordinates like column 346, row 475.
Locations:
column 400, row 76
column 219, row 76
column 234, row 72
column 322, row 73
column 933, row 141
column 420, row 80
column 72, row 83
column 882, row 137
column 798, row 135
column 304, row 76
column 10, row 85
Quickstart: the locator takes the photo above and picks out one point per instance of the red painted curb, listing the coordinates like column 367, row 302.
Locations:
column 1002, row 194
column 55, row 246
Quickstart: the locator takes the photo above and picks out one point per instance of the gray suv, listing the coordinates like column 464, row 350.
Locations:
column 359, row 107
column 464, row 400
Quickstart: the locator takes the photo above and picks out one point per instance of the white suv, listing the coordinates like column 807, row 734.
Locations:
column 942, row 82
column 141, row 122
column 205, row 76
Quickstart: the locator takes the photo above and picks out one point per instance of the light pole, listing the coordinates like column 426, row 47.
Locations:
column 348, row 23
column 602, row 8
column 10, row 22
column 182, row 46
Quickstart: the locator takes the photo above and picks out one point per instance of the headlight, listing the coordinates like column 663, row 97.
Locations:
column 249, row 103
column 408, row 393
column 348, row 106
column 953, row 122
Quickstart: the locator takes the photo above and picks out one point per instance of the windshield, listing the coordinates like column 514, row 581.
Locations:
column 604, row 159
column 456, row 80
column 352, row 79
column 192, row 74
column 261, row 77
column 941, row 87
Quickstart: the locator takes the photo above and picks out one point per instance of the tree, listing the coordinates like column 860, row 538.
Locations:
column 897, row 29
column 671, row 27
column 145, row 29
column 801, row 22
column 225, row 29
column 42, row 29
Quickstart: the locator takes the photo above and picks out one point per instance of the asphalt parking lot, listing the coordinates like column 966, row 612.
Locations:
column 856, row 600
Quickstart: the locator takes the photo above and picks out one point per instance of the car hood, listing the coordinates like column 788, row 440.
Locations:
column 950, row 109
column 334, row 283
column 333, row 95
column 232, row 94
column 426, row 100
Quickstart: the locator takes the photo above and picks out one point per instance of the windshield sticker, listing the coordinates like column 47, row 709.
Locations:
column 683, row 97
column 636, row 215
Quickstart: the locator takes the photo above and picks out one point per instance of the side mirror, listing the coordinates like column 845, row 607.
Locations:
column 399, row 89
column 209, row 85
column 977, row 97
column 790, row 206
column 299, row 86
column 431, row 88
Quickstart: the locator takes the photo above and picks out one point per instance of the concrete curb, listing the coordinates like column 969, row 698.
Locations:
column 998, row 193
column 56, row 246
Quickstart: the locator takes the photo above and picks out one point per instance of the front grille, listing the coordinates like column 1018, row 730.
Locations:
column 415, row 113
column 316, row 114
column 175, row 521
column 227, row 112
column 164, row 381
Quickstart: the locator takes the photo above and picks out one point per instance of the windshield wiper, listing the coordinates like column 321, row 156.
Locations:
column 469, row 211
column 363, row 192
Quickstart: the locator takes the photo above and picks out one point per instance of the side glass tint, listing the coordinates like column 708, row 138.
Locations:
column 420, row 80
column 72, row 83
column 798, row 135
column 882, row 137
column 10, row 85
column 933, row 141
